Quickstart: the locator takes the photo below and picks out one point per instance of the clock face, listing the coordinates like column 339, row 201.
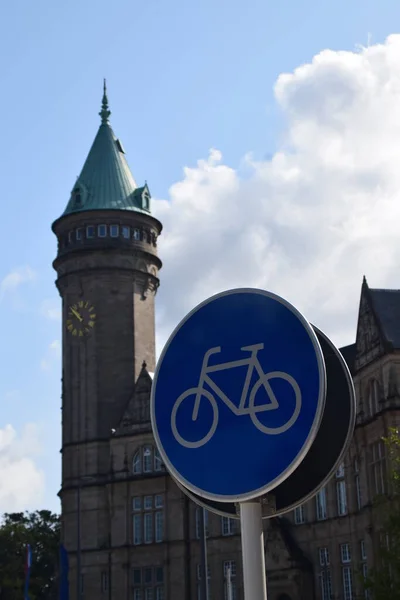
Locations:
column 81, row 318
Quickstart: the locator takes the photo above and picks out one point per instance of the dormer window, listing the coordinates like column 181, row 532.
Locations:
column 146, row 200
column 77, row 197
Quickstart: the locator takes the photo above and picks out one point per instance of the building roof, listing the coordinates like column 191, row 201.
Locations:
column 349, row 355
column 106, row 181
column 386, row 305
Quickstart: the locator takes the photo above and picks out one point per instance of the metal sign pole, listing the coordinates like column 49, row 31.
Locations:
column 229, row 583
column 254, row 577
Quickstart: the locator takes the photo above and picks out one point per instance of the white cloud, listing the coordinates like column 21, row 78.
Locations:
column 51, row 310
column 53, row 354
column 13, row 280
column 309, row 222
column 21, row 481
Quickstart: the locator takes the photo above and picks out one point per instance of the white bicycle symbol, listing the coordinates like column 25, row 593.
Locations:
column 252, row 363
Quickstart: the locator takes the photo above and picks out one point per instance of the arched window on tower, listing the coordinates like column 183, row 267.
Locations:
column 147, row 459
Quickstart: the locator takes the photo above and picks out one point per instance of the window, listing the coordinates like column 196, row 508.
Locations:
column 324, row 557
column 148, row 583
column 345, row 553
column 377, row 468
column 347, row 583
column 114, row 231
column 70, row 236
column 79, row 234
column 230, row 580
column 104, row 581
column 363, row 551
column 158, row 464
column 198, row 509
column 102, row 230
column 136, row 234
column 90, row 231
column 320, row 500
column 373, row 397
column 148, row 528
column 228, row 526
column 137, row 529
column 326, row 584
column 146, row 200
column 77, row 197
column 357, row 484
column 159, row 526
column 364, row 570
column 160, row 593
column 148, row 519
column 198, row 570
column 340, row 471
column 299, row 515
column 146, row 460
column 126, row 232
column 82, row 583
column 137, row 463
column 341, row 497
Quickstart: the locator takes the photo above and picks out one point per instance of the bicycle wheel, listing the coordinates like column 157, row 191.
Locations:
column 211, row 431
column 265, row 382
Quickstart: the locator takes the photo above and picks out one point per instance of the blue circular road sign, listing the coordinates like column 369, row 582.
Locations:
column 238, row 395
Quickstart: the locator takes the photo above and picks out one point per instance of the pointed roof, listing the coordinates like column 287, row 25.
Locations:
column 137, row 411
column 386, row 305
column 378, row 328
column 106, row 181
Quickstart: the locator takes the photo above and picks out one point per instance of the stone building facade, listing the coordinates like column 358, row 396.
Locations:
column 129, row 530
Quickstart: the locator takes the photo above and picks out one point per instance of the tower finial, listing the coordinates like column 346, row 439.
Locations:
column 105, row 112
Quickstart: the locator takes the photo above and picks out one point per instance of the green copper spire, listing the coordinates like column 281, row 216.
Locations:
column 106, row 181
column 105, row 112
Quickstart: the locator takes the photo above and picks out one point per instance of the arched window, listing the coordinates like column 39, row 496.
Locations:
column 147, row 460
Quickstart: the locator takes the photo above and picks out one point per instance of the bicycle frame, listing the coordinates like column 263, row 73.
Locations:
column 252, row 363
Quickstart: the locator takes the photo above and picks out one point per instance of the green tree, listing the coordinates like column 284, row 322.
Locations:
column 383, row 581
column 40, row 529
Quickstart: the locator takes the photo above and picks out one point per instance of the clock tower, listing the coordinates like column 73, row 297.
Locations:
column 107, row 276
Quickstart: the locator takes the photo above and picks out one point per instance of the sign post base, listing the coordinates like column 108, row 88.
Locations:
column 254, row 577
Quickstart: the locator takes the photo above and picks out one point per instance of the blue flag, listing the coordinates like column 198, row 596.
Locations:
column 64, row 568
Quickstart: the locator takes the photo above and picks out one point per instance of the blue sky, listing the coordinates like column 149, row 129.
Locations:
column 183, row 78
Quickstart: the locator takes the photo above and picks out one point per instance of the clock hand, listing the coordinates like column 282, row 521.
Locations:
column 77, row 315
